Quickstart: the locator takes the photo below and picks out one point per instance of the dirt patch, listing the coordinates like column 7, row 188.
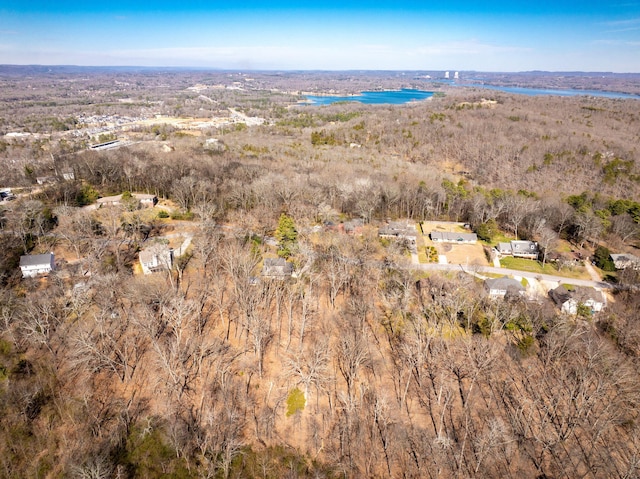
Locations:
column 471, row 254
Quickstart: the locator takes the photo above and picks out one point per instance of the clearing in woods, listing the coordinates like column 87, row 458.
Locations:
column 472, row 254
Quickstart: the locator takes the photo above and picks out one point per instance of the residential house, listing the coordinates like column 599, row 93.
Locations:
column 498, row 288
column 354, row 227
column 405, row 230
column 32, row 265
column 42, row 180
column 625, row 260
column 68, row 175
column 277, row 268
column 143, row 200
column 157, row 257
column 519, row 249
column 451, row 237
column 569, row 297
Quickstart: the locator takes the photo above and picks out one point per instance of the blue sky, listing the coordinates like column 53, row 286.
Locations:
column 335, row 35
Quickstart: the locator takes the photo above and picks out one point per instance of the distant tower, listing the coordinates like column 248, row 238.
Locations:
column 455, row 76
column 446, row 75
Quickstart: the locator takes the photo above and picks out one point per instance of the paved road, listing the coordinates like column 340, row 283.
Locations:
column 525, row 274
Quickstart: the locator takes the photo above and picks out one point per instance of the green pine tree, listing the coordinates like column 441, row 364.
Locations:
column 286, row 235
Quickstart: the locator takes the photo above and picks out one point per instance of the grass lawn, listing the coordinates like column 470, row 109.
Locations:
column 492, row 275
column 499, row 237
column 563, row 247
column 531, row 266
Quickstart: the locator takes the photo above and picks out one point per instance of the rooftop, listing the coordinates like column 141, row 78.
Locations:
column 36, row 259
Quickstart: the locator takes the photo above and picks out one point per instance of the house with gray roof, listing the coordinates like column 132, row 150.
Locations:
column 143, row 200
column 498, row 288
column 568, row 297
column 155, row 258
column 625, row 260
column 519, row 249
column 32, row 265
column 451, row 237
column 276, row 268
column 405, row 230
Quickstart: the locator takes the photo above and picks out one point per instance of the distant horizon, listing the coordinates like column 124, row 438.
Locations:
column 344, row 35
column 317, row 70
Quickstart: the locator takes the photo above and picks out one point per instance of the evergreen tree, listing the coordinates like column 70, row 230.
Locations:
column 286, row 235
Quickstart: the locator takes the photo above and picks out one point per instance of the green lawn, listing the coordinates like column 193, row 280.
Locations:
column 531, row 266
column 499, row 237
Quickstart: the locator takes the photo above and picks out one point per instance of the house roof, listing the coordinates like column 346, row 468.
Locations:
column 451, row 236
column 504, row 283
column 277, row 267
column 36, row 259
column 118, row 198
column 398, row 228
column 524, row 246
column 158, row 249
column 624, row 257
column 579, row 293
column 504, row 247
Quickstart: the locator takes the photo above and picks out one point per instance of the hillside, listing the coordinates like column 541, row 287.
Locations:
column 362, row 363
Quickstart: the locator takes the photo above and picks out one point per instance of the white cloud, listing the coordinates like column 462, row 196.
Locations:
column 625, row 43
column 623, row 23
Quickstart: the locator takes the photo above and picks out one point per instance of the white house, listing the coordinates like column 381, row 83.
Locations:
column 519, row 249
column 500, row 287
column 569, row 299
column 625, row 260
column 68, row 175
column 143, row 200
column 32, row 265
column 158, row 257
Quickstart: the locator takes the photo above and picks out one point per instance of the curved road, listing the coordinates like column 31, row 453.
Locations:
column 525, row 274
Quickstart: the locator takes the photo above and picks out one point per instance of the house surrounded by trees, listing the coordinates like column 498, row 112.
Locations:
column 32, row 265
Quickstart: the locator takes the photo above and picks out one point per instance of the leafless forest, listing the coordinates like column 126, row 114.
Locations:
column 357, row 365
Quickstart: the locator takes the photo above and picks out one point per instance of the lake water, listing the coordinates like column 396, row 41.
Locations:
column 538, row 91
column 400, row 97
column 391, row 97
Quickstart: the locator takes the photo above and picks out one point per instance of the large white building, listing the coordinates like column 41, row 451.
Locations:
column 32, row 265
